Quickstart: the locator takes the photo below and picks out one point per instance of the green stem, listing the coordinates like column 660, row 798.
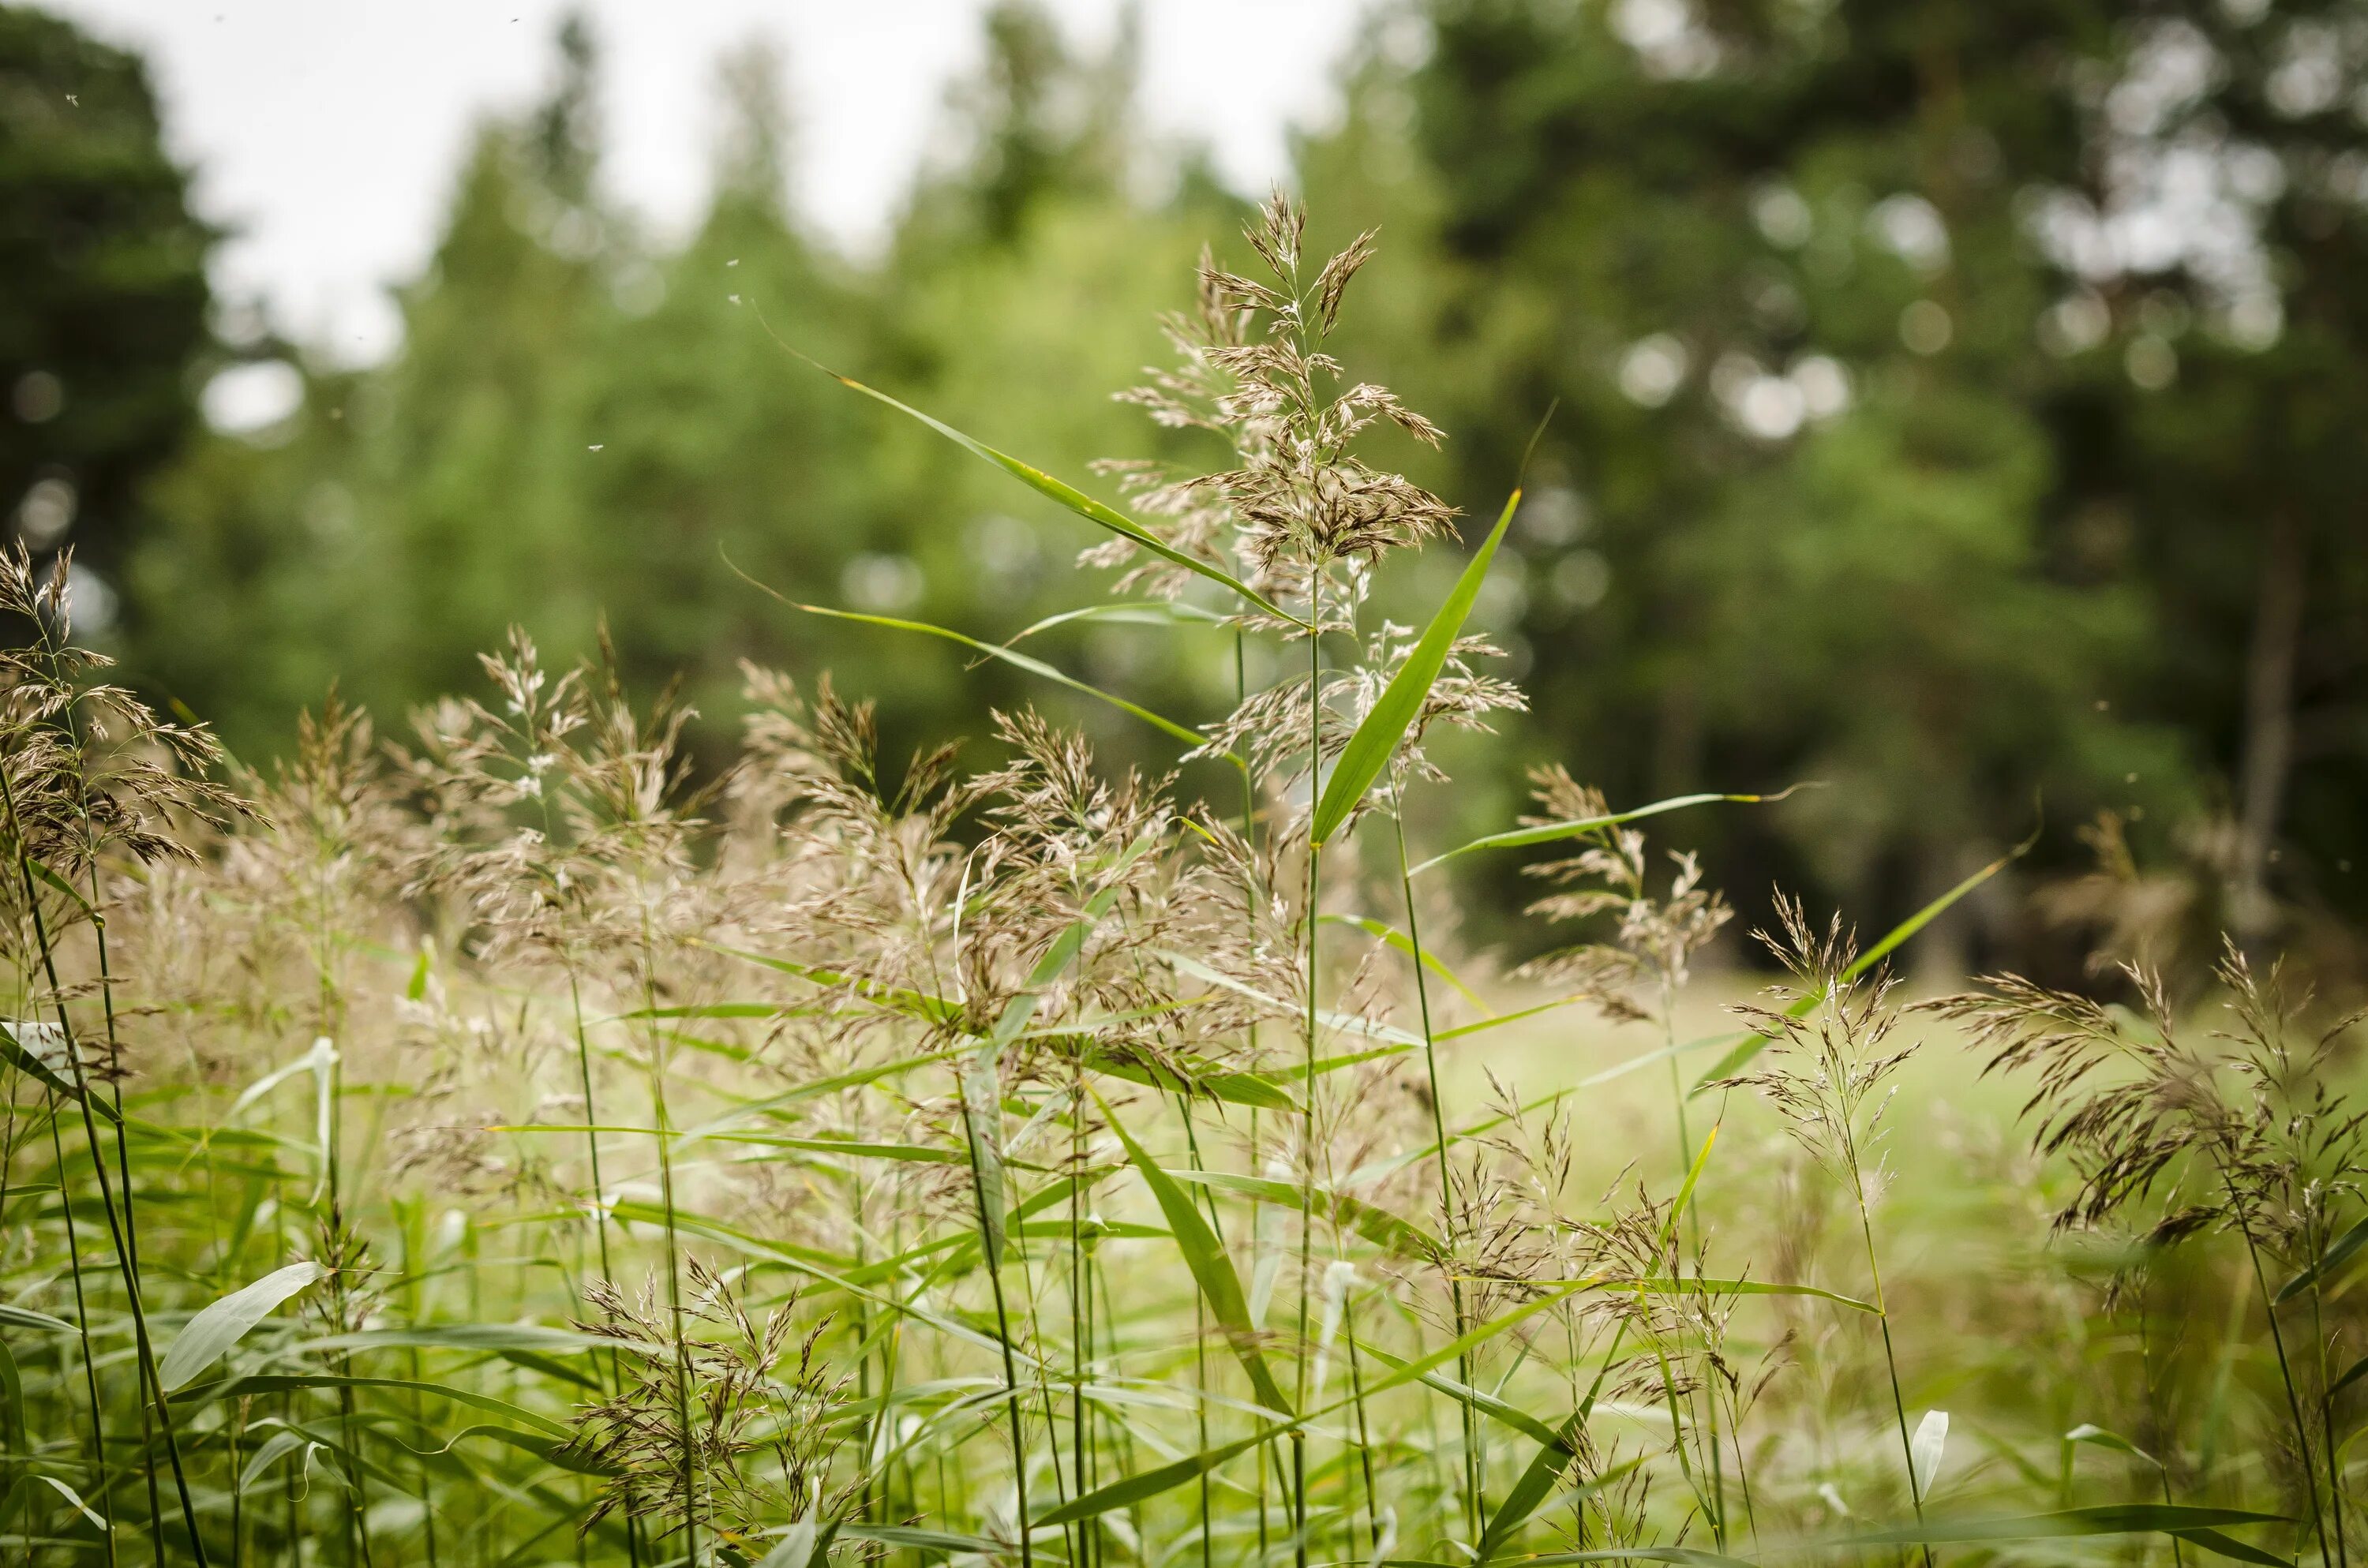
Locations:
column 2325, row 1403
column 1473, row 1483
column 145, row 1350
column 987, row 1253
column 82, row 1323
column 2285, row 1369
column 1307, row 1115
column 1890, row 1358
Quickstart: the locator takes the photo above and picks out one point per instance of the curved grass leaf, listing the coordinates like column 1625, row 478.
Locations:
column 74, row 1500
column 1547, row 833
column 1467, row 1342
column 1390, row 936
column 270, row 1452
column 210, row 1336
column 2085, row 1433
column 1497, row 1409
column 1129, row 1490
column 35, row 1065
column 277, row 1382
column 2339, row 1252
column 1212, row 1270
column 26, row 1317
column 1925, row 1453
column 1547, row 1468
column 982, row 1123
column 485, row 1337
column 1126, row 612
column 1499, row 1020
column 12, row 1404
column 1075, row 500
column 1376, row 737
column 1020, row 661
column 61, row 885
column 794, row 1550
column 2229, row 1546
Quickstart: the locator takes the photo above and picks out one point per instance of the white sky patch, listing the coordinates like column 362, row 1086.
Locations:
column 327, row 137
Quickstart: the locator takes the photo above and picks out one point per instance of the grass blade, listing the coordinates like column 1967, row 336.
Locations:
column 1068, row 495
column 1034, row 666
column 210, row 1334
column 32, row 1065
column 2339, row 1252
column 1127, row 1491
column 1377, row 735
column 1212, row 1270
column 1547, row 833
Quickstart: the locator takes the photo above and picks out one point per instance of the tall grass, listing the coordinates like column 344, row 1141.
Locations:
column 520, row 1150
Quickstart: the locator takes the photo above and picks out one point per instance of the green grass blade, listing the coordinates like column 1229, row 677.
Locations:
column 2229, row 1546
column 255, row 1383
column 1212, row 1270
column 1547, row 833
column 26, row 1317
column 1501, row 1411
column 476, row 1337
column 981, row 1093
column 1686, row 1190
column 1498, row 1021
column 1464, row 1343
column 2099, row 1437
column 29, row 1063
column 1377, row 735
column 1391, row 937
column 1127, row 1491
column 2339, row 1252
column 214, row 1330
column 12, row 1404
column 1125, row 612
column 1034, row 666
column 1068, row 495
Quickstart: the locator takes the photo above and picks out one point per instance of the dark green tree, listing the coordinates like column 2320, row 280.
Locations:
column 103, row 294
column 1908, row 430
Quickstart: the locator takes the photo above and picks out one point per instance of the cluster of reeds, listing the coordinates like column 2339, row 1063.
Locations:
column 502, row 1145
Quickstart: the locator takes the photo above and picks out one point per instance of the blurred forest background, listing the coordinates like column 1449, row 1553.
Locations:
column 1959, row 404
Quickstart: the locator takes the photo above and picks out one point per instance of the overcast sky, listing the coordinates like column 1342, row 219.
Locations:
column 327, row 133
